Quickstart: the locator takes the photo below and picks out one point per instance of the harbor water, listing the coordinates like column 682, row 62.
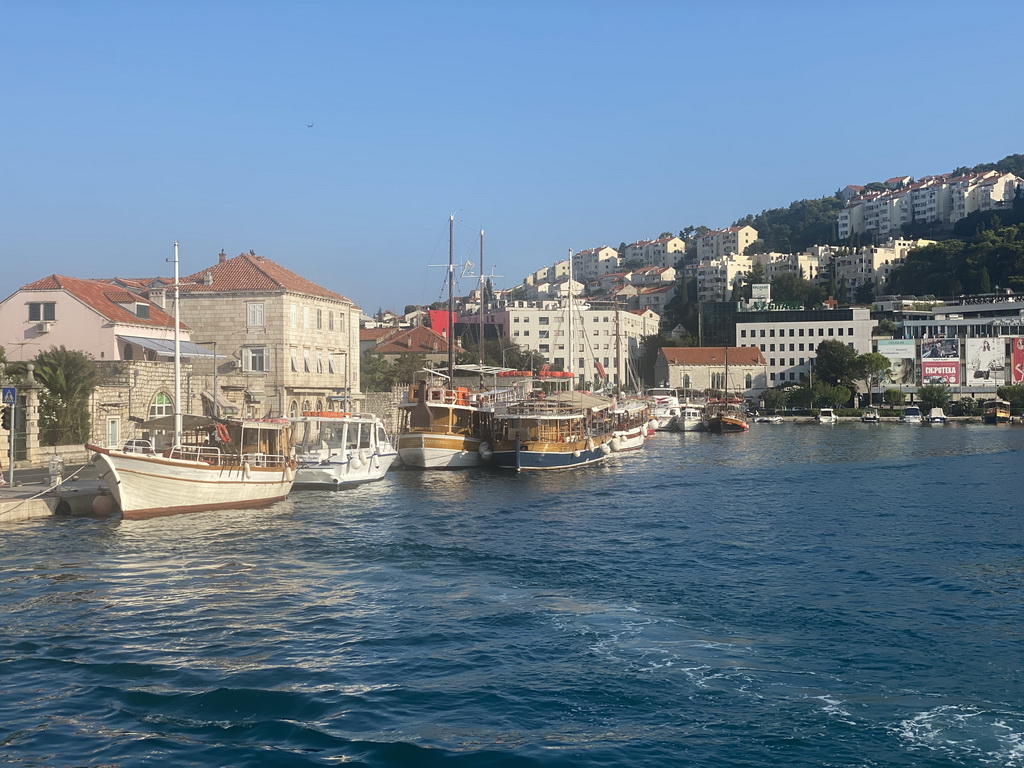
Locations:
column 800, row 595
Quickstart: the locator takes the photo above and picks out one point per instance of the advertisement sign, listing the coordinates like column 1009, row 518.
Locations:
column 902, row 354
column 761, row 292
column 940, row 361
column 986, row 363
column 1017, row 360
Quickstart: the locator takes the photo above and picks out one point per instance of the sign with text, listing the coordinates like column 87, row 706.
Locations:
column 761, row 292
column 940, row 361
column 902, row 357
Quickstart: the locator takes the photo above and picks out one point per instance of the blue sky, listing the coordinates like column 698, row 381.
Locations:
column 552, row 125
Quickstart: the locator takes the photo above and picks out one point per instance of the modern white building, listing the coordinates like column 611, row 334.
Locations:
column 663, row 252
column 722, row 242
column 603, row 336
column 789, row 338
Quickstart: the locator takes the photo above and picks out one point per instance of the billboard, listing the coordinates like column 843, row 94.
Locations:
column 1017, row 360
column 940, row 361
column 986, row 363
column 902, row 356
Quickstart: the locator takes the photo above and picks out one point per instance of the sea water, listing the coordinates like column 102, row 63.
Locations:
column 800, row 595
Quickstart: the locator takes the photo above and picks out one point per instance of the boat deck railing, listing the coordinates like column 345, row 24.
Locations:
column 211, row 454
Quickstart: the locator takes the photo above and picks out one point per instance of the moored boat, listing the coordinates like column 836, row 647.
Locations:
column 215, row 464
column 339, row 450
column 870, row 415
column 996, row 411
column 558, row 431
column 936, row 416
column 218, row 464
column 911, row 415
column 630, row 423
column 725, row 415
column 664, row 408
column 826, row 416
column 690, row 419
column 442, row 426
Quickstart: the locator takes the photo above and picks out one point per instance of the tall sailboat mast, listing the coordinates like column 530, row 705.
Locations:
column 451, row 299
column 177, row 354
column 568, row 295
column 480, row 314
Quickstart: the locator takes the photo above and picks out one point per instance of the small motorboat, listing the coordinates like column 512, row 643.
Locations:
column 769, row 419
column 870, row 415
column 936, row 416
column 826, row 416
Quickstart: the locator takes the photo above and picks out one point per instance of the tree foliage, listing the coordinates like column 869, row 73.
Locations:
column 836, row 363
column 803, row 224
column 68, row 379
column 975, row 264
column 871, row 367
column 933, row 396
column 790, row 287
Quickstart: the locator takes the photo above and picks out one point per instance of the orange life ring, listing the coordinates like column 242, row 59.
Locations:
column 223, row 434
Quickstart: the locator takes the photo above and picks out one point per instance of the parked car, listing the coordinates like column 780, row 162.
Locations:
column 138, row 446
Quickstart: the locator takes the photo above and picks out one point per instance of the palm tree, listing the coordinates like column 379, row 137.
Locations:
column 68, row 379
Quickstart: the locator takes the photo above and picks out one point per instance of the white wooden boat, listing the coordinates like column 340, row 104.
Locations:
column 217, row 464
column 339, row 450
column 630, row 423
column 226, row 464
column 664, row 407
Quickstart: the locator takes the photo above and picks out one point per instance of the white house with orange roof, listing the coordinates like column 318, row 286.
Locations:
column 594, row 262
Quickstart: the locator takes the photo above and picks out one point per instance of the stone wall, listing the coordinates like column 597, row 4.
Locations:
column 385, row 405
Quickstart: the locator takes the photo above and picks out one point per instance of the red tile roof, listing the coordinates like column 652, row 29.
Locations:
column 712, row 355
column 249, row 272
column 105, row 300
column 418, row 340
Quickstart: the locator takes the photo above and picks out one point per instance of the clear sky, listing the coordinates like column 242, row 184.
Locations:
column 551, row 124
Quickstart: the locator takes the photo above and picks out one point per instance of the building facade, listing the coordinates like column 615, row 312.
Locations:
column 788, row 338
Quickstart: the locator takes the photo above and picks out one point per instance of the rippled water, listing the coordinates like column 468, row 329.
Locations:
column 801, row 595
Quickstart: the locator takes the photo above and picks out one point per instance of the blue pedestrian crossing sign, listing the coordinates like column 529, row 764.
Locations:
column 10, row 395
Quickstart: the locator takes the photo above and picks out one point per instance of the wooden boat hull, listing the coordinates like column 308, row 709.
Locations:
column 721, row 425
column 433, row 451
column 147, row 486
column 531, row 457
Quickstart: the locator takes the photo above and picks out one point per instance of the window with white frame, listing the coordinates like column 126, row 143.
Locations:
column 256, row 359
column 162, row 405
column 295, row 360
column 255, row 314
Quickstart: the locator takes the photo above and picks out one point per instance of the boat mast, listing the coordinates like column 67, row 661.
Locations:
column 451, row 301
column 480, row 314
column 568, row 294
column 177, row 355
